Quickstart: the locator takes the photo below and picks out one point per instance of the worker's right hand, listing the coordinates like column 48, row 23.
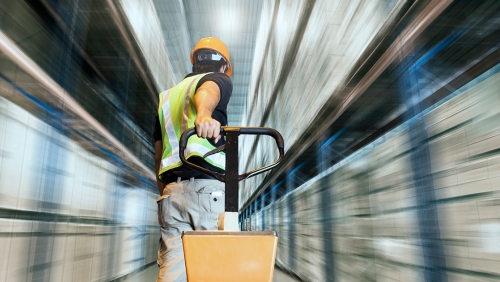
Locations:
column 207, row 127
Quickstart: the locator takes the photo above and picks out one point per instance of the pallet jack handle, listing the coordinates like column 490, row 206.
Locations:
column 231, row 176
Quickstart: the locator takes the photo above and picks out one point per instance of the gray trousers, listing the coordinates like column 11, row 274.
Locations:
column 185, row 205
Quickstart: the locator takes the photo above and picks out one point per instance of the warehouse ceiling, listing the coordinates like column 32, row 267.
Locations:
column 184, row 22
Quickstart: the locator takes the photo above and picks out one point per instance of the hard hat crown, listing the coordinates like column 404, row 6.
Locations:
column 214, row 44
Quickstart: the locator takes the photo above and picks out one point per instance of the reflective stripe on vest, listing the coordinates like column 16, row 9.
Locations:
column 177, row 113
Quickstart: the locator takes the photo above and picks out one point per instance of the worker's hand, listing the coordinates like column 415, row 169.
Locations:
column 207, row 127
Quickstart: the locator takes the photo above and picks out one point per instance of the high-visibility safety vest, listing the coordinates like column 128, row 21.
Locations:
column 177, row 113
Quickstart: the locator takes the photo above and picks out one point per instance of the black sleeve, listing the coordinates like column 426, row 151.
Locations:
column 157, row 130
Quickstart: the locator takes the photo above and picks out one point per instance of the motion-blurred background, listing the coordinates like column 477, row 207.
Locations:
column 390, row 112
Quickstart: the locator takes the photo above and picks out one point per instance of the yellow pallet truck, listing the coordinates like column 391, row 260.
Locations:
column 229, row 254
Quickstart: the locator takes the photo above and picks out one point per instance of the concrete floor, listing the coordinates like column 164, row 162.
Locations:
column 150, row 274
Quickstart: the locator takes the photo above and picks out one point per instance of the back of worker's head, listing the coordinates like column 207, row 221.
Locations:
column 210, row 55
column 208, row 61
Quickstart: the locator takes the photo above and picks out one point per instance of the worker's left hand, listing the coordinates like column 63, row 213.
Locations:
column 207, row 127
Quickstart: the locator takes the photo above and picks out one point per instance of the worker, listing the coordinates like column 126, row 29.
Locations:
column 189, row 199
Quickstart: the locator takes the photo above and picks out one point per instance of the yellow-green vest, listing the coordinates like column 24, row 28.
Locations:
column 177, row 112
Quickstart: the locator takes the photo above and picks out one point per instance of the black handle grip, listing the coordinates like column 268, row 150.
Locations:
column 182, row 147
column 241, row 130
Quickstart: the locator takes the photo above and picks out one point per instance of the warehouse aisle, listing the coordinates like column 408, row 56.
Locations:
column 149, row 274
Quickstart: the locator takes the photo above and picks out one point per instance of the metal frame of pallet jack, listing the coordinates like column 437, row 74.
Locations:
column 232, row 173
column 231, row 177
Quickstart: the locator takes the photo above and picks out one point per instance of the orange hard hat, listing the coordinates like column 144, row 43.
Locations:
column 214, row 44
